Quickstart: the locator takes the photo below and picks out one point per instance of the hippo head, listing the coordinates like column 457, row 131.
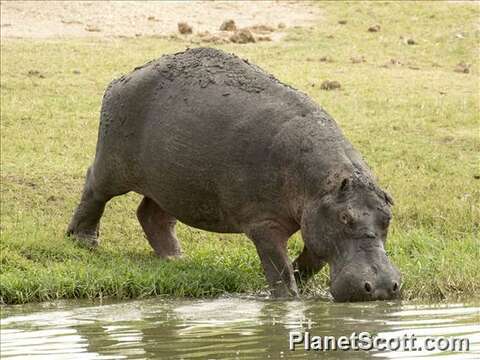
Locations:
column 347, row 228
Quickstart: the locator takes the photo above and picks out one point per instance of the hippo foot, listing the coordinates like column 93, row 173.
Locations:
column 172, row 257
column 281, row 291
column 89, row 241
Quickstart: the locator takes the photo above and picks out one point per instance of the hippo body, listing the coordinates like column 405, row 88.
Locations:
column 221, row 145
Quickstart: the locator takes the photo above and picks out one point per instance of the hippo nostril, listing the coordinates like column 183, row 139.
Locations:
column 395, row 286
column 368, row 287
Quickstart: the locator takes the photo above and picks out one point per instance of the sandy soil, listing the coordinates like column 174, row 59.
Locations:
column 60, row 19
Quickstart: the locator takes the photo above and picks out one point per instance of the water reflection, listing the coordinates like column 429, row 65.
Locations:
column 236, row 327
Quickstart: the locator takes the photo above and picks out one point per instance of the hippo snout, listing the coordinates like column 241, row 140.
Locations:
column 352, row 284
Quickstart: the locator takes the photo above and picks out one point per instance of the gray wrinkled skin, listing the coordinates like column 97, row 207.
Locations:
column 219, row 144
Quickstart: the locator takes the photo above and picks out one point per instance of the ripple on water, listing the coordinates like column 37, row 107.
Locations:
column 222, row 328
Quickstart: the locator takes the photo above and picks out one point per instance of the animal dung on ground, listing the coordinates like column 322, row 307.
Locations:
column 92, row 28
column 325, row 59
column 184, row 28
column 242, row 36
column 462, row 68
column 36, row 73
column 261, row 29
column 68, row 22
column 228, row 25
column 395, row 62
column 330, row 85
column 357, row 59
column 264, row 38
column 206, row 37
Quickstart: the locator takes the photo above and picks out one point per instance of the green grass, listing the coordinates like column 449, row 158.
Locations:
column 417, row 128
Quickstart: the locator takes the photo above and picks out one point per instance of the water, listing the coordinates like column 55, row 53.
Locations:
column 224, row 328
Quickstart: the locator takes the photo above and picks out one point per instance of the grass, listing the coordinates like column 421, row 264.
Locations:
column 416, row 123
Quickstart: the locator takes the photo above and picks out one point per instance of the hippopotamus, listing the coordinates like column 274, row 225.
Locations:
column 221, row 145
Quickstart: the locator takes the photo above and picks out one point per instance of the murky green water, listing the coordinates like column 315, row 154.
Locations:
column 225, row 328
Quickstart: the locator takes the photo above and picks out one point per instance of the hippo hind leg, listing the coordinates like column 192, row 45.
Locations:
column 159, row 228
column 84, row 226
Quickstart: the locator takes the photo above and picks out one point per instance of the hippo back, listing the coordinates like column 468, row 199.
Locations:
column 214, row 140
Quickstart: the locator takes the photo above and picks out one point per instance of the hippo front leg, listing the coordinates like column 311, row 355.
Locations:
column 306, row 265
column 271, row 239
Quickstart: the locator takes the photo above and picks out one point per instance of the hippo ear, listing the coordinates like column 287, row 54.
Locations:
column 345, row 185
column 388, row 198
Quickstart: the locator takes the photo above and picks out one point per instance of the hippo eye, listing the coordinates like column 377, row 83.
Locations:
column 346, row 217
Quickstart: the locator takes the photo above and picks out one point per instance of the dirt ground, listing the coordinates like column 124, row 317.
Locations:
column 64, row 19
